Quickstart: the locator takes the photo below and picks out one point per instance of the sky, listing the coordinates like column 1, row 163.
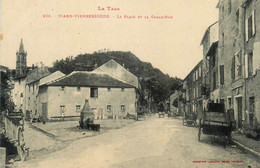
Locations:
column 170, row 44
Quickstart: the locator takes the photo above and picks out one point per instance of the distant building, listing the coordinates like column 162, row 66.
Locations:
column 193, row 98
column 33, row 105
column 22, row 77
column 116, row 70
column 21, row 61
column 3, row 68
column 108, row 97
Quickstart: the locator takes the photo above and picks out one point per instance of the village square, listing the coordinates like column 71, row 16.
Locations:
column 112, row 109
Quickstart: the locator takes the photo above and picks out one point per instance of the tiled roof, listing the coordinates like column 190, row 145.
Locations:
column 89, row 79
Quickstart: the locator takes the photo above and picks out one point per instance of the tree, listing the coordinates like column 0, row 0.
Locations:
column 5, row 93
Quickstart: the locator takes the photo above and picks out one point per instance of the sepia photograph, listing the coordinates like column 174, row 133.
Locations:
column 129, row 84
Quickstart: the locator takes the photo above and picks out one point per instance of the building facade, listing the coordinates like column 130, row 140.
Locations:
column 23, row 76
column 108, row 97
column 192, row 87
column 239, row 56
column 32, row 93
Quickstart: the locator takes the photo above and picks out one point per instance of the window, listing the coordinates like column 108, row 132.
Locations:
column 94, row 92
column 62, row 88
column 230, row 103
column 109, row 89
column 237, row 21
column 250, row 26
column 29, row 88
column 236, row 68
column 109, row 108
column 122, row 89
column 222, row 12
column 229, row 6
column 214, row 80
column 237, row 16
column 78, row 89
column 222, row 101
column 250, row 64
column 221, row 69
column 223, row 42
column 238, row 64
column 200, row 72
column 28, row 101
column 251, row 110
column 213, row 61
column 77, row 108
column 21, row 95
column 122, row 108
column 233, row 68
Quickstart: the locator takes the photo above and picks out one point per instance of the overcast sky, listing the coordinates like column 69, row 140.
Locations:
column 172, row 45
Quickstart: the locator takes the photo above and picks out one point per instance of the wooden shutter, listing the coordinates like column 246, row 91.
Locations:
column 221, row 69
column 246, row 29
column 233, row 68
column 253, row 22
column 246, row 66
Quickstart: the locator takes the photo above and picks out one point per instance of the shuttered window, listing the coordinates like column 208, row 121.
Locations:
column 250, row 64
column 94, row 92
column 233, row 68
column 221, row 69
column 250, row 26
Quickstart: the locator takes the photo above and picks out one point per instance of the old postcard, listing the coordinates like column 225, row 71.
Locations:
column 113, row 83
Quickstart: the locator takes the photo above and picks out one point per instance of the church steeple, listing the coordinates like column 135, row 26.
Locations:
column 21, row 61
column 21, row 49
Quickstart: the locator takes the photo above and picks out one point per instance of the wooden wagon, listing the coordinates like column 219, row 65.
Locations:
column 161, row 114
column 189, row 119
column 140, row 115
column 13, row 130
column 216, row 122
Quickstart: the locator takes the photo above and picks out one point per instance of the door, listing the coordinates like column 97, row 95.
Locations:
column 44, row 111
column 239, row 112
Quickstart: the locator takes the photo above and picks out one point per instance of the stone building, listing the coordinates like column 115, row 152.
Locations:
column 109, row 97
column 32, row 93
column 211, row 75
column 24, row 76
column 193, row 99
column 239, row 57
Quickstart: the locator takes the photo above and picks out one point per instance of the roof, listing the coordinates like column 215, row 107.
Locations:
column 207, row 30
column 193, row 69
column 89, row 79
column 21, row 49
column 118, row 71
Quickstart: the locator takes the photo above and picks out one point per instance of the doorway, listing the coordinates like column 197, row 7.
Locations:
column 239, row 112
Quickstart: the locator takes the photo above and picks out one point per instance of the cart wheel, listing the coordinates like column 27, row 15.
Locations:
column 229, row 137
column 20, row 147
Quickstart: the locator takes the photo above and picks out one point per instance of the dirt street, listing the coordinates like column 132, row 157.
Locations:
column 154, row 142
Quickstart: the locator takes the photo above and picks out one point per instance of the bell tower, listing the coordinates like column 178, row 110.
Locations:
column 21, row 61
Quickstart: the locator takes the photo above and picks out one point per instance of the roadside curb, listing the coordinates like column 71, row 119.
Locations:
column 246, row 149
column 43, row 131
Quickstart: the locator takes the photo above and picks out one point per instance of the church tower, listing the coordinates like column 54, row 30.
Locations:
column 21, row 61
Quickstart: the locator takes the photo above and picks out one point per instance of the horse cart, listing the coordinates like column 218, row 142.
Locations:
column 13, row 131
column 140, row 115
column 161, row 114
column 189, row 119
column 216, row 122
